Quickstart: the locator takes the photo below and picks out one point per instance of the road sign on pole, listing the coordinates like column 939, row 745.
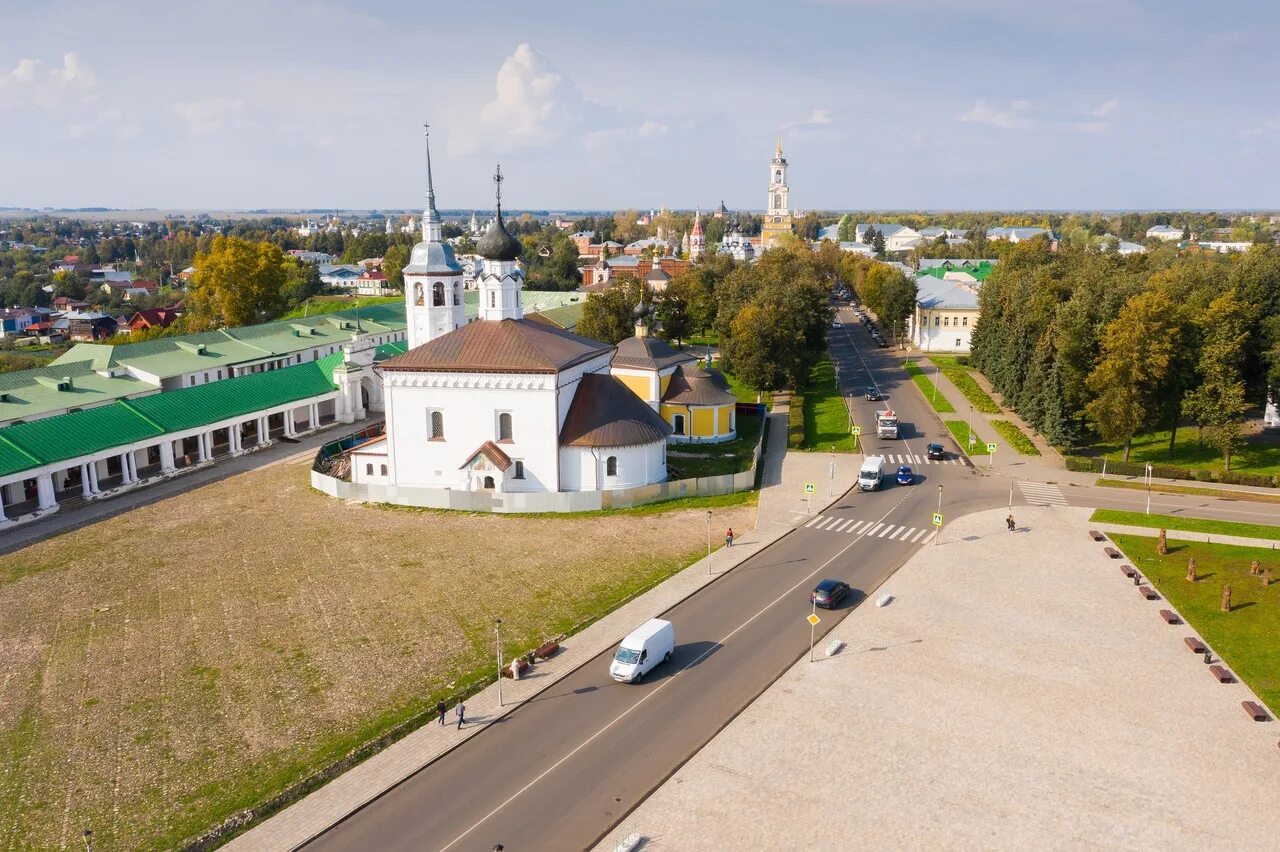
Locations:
column 813, row 619
column 937, row 519
column 813, row 624
column 991, row 448
column 808, row 488
column 857, row 430
column 991, row 455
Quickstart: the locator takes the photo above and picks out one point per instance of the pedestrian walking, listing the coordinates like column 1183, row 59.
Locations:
column 440, row 708
column 1009, row 521
column 461, row 710
column 728, row 538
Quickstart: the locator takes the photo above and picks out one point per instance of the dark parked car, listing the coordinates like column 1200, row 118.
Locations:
column 873, row 395
column 935, row 452
column 829, row 593
column 880, row 341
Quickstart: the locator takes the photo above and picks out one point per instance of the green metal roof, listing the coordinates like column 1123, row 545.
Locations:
column 979, row 271
column 25, row 446
column 31, row 394
column 566, row 316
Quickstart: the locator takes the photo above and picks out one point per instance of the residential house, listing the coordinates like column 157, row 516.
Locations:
column 896, row 237
column 153, row 318
column 66, row 303
column 90, row 326
column 15, row 321
column 1018, row 235
column 946, row 309
column 1164, row 233
column 341, row 277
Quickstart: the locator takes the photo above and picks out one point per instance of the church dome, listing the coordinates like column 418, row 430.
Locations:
column 498, row 244
column 433, row 257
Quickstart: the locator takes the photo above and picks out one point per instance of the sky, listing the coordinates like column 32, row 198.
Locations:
column 881, row 104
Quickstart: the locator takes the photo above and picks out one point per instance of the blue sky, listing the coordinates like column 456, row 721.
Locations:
column 885, row 104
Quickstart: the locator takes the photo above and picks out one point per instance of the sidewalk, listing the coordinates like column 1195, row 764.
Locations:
column 783, row 478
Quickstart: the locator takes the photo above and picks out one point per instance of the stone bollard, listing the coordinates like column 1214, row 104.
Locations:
column 1266, row 577
column 1191, row 569
column 1226, row 599
column 1161, row 546
column 1255, row 568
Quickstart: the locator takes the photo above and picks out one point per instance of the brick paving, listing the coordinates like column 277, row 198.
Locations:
column 1015, row 694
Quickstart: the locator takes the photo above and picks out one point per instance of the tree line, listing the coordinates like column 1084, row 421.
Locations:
column 1086, row 343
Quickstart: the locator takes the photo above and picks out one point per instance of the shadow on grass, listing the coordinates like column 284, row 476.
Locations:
column 1243, row 605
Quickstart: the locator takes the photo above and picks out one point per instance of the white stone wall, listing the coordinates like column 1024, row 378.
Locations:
column 584, row 468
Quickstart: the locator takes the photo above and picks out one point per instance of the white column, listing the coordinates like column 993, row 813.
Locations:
column 93, row 477
column 3, row 516
column 315, row 416
column 263, row 430
column 202, row 451
column 233, row 434
column 86, row 484
column 44, row 491
column 166, row 457
column 288, row 423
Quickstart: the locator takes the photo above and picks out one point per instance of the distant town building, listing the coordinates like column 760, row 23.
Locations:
column 1165, row 233
column 777, row 217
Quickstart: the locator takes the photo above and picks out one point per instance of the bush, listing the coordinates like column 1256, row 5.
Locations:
column 1165, row 471
column 1080, row 464
column 1232, row 477
column 1203, row 475
column 962, row 360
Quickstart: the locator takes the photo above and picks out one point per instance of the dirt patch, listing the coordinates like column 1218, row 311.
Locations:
column 167, row 667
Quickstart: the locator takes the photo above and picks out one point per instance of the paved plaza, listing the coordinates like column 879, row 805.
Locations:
column 1016, row 693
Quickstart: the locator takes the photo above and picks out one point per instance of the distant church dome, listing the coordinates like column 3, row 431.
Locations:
column 497, row 243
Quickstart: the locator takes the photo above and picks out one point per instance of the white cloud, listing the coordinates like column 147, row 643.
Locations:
column 212, row 115
column 27, row 84
column 1100, row 116
column 25, row 72
column 652, row 128
column 983, row 113
column 73, row 72
column 534, row 105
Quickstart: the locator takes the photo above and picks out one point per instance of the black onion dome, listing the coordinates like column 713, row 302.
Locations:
column 640, row 311
column 498, row 244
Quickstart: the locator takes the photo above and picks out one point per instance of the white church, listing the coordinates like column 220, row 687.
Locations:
column 502, row 403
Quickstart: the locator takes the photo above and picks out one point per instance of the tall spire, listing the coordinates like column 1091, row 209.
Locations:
column 430, row 217
column 497, row 183
column 778, row 152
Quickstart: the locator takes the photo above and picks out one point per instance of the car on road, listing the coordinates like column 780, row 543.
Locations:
column 905, row 476
column 828, row 593
column 880, row 341
column 873, row 395
column 935, row 452
column 649, row 645
column 836, row 324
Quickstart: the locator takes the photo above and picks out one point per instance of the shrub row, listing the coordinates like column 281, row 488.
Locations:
column 1080, row 464
column 795, row 422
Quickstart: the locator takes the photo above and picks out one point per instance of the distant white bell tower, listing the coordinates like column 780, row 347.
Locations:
column 433, row 279
column 778, row 189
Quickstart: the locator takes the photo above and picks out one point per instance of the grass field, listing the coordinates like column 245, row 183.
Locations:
column 1181, row 522
column 925, row 383
column 1260, row 455
column 826, row 417
column 1247, row 637
column 1014, row 438
column 331, row 304
column 962, row 378
column 689, row 460
column 959, row 430
column 170, row 666
column 1162, row 488
column 746, row 392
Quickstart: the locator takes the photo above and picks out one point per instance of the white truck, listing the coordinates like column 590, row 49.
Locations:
column 650, row 644
column 886, row 424
column 871, row 474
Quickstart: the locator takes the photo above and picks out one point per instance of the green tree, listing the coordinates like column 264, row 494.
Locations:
column 1219, row 402
column 898, row 298
column 394, row 260
column 609, row 316
column 237, row 282
column 848, row 226
column 877, row 243
column 675, row 311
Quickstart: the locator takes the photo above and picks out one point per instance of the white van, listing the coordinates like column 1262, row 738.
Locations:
column 649, row 644
column 871, row 474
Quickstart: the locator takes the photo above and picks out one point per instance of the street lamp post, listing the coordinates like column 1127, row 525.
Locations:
column 971, row 425
column 88, row 840
column 708, row 541
column 497, row 635
column 1148, row 488
column 935, row 382
column 938, row 537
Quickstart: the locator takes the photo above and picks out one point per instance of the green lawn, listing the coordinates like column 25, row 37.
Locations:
column 959, row 430
column 1261, row 456
column 317, row 305
column 826, row 417
column 691, row 460
column 1180, row 522
column 960, row 377
column 925, row 383
column 1248, row 637
column 710, row 339
column 746, row 392
column 1014, row 438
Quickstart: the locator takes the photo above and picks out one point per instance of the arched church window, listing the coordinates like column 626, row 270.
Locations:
column 493, row 299
column 504, row 426
column 437, row 425
column 777, row 201
column 777, row 176
column 519, row 474
column 488, row 482
column 611, row 466
column 384, row 470
column 437, row 295
column 417, row 293
column 368, row 469
column 457, row 294
column 677, row 423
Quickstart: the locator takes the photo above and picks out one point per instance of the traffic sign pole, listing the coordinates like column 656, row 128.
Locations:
column 813, row 626
column 937, row 519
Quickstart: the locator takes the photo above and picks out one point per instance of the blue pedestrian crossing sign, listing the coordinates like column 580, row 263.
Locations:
column 937, row 519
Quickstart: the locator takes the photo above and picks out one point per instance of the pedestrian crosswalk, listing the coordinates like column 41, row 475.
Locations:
column 1042, row 494
column 911, row 458
column 870, row 529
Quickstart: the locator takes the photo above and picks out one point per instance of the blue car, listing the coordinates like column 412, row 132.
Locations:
column 905, row 476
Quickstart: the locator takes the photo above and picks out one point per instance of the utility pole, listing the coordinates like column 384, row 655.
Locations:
column 1148, row 488
column 497, row 633
column 938, row 537
column 708, row 541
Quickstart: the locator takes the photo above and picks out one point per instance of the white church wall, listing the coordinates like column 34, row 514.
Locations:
column 585, row 468
column 470, row 404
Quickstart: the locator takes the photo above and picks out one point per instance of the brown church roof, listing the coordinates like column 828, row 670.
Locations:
column 648, row 353
column 500, row 346
column 493, row 453
column 691, row 385
column 605, row 413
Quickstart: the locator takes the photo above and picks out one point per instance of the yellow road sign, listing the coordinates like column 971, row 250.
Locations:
column 808, row 488
column 813, row 619
column 857, row 430
column 991, row 448
column 937, row 519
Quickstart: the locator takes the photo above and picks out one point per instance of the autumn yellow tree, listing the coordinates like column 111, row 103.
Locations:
column 237, row 282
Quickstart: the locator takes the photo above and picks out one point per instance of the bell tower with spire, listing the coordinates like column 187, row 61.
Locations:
column 502, row 278
column 433, row 279
column 777, row 217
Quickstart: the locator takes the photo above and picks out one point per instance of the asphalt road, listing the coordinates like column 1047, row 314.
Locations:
column 559, row 772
